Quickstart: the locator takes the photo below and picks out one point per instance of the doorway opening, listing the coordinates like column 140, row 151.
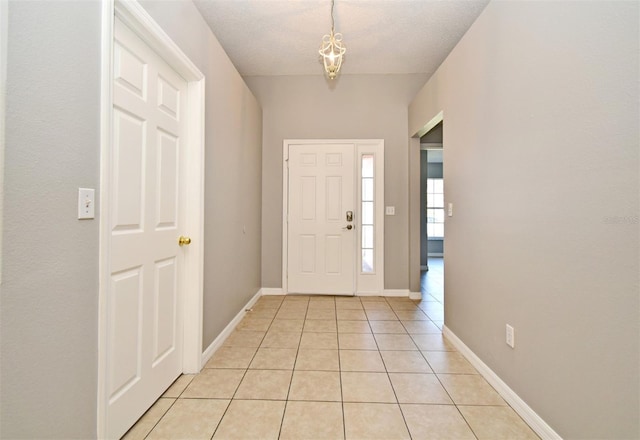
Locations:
column 432, row 216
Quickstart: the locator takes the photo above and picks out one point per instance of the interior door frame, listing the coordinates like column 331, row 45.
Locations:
column 414, row 204
column 135, row 17
column 364, row 284
column 4, row 47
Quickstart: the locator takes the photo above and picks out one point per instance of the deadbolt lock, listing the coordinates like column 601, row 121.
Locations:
column 349, row 216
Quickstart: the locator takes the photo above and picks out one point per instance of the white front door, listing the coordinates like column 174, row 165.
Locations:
column 144, row 303
column 321, row 240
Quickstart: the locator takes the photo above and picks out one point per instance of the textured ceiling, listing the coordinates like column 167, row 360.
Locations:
column 282, row 37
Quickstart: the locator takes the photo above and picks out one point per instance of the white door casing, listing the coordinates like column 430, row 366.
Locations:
column 4, row 33
column 321, row 191
column 314, row 213
column 151, row 192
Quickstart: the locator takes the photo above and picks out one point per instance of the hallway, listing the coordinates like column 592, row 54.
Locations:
column 321, row 367
column 432, row 284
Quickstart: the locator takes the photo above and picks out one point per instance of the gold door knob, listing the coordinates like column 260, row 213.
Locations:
column 184, row 241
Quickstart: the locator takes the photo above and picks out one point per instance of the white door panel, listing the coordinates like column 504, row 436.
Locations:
column 144, row 318
column 321, row 251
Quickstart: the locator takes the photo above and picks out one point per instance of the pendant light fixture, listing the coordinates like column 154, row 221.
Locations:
column 332, row 50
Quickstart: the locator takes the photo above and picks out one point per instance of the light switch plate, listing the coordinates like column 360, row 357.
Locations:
column 390, row 210
column 511, row 336
column 86, row 203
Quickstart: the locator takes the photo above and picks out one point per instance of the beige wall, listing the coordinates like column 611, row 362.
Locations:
column 49, row 291
column 356, row 106
column 233, row 169
column 541, row 139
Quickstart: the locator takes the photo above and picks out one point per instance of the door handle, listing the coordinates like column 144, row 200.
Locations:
column 348, row 227
column 184, row 241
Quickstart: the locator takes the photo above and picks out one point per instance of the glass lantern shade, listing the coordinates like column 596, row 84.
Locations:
column 332, row 51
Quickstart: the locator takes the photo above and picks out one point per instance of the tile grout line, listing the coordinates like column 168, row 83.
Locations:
column 155, row 424
column 293, row 369
column 163, row 414
column 245, row 373
column 335, row 319
column 344, row 421
column 406, row 425
column 466, row 421
column 449, row 394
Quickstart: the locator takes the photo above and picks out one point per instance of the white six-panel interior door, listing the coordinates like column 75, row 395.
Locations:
column 144, row 307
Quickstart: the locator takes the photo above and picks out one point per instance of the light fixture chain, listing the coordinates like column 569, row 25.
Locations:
column 332, row 48
column 332, row 19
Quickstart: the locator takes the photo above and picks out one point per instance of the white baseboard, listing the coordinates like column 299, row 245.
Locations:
column 271, row 291
column 415, row 295
column 528, row 415
column 217, row 342
column 396, row 292
column 265, row 291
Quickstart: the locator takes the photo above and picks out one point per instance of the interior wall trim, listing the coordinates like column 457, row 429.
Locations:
column 271, row 291
column 208, row 353
column 266, row 291
column 519, row 406
column 4, row 33
column 393, row 292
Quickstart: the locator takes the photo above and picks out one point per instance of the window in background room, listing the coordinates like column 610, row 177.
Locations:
column 435, row 208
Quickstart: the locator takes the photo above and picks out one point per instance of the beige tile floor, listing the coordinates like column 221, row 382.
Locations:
column 318, row 367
